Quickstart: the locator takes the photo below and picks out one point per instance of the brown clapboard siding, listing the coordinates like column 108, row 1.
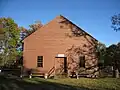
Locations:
column 50, row 40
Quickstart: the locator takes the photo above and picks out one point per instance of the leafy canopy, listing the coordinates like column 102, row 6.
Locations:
column 116, row 22
column 8, row 47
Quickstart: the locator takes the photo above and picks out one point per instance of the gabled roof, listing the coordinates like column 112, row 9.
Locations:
column 69, row 22
column 79, row 28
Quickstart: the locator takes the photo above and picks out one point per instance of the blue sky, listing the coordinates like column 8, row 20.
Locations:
column 94, row 16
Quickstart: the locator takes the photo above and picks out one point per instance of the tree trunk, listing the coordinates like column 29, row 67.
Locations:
column 114, row 71
column 117, row 73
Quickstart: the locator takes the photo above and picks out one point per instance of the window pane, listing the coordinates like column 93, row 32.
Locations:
column 40, row 64
column 40, row 57
column 40, row 61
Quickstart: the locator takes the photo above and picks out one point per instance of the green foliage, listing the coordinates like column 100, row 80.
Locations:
column 113, row 58
column 101, row 50
column 113, row 55
column 82, row 83
column 10, row 40
column 116, row 22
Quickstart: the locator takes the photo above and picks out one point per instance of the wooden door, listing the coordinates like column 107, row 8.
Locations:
column 60, row 65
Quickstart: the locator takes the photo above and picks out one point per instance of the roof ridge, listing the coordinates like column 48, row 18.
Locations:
column 77, row 26
column 68, row 21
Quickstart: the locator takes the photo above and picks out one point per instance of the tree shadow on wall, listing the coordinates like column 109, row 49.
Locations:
column 88, row 49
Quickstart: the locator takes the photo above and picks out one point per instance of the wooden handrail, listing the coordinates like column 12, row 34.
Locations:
column 51, row 71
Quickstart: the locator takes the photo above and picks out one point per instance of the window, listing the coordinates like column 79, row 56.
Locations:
column 40, row 61
column 82, row 61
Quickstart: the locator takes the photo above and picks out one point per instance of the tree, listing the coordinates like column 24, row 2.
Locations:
column 32, row 28
column 11, row 43
column 36, row 26
column 101, row 50
column 10, row 40
column 113, row 58
column 116, row 22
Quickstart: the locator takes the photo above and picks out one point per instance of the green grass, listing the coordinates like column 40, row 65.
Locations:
column 59, row 84
column 86, row 83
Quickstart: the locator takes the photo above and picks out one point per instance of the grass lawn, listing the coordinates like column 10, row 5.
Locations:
column 59, row 84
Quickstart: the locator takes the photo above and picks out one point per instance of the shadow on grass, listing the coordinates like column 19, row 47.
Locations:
column 31, row 84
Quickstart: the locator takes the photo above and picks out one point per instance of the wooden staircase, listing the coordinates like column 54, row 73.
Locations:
column 43, row 74
column 50, row 72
